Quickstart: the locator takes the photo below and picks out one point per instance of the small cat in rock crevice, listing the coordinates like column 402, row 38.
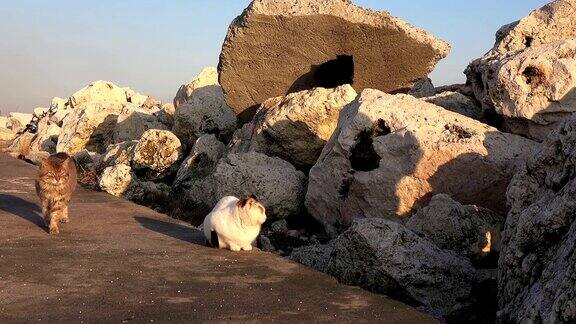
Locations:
column 55, row 186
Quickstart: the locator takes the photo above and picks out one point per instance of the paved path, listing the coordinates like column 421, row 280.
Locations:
column 119, row 262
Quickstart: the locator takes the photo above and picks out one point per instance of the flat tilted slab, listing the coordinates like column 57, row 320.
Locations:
column 117, row 261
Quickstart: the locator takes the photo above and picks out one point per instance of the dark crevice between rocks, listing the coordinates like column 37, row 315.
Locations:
column 363, row 157
column 330, row 74
column 528, row 41
column 458, row 131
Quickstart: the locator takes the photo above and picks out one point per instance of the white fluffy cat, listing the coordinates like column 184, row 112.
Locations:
column 235, row 223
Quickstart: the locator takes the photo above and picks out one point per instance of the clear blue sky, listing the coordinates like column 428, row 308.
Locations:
column 52, row 48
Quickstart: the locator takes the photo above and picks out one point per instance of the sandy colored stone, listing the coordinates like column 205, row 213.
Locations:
column 46, row 137
column 157, row 153
column 121, row 153
column 106, row 91
column 206, row 78
column 295, row 127
column 276, row 46
column 116, row 180
column 133, row 122
column 19, row 120
column 458, row 103
column 89, row 126
column 392, row 153
column 6, row 134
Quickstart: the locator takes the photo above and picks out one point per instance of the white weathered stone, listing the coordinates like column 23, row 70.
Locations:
column 157, row 152
column 207, row 77
column 392, row 153
column 89, row 126
column 203, row 112
column 19, row 120
column 458, row 103
column 120, row 153
column 133, row 122
column 116, row 180
column 46, row 137
column 295, row 127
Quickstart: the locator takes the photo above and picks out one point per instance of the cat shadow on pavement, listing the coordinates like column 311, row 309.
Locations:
column 177, row 231
column 22, row 208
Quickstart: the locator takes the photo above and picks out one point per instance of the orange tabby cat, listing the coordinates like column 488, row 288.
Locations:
column 55, row 186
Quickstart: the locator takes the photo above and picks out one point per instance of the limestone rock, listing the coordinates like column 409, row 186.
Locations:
column 555, row 21
column 296, row 127
column 133, row 122
column 385, row 257
column 46, row 137
column 106, row 91
column 208, row 77
column 206, row 153
column 392, row 153
column 538, row 258
column 120, row 153
column 166, row 115
column 535, row 85
column 270, row 51
column 116, row 180
column 89, row 126
column 470, row 231
column 276, row 183
column 62, row 108
column 458, row 103
column 201, row 110
column 5, row 122
column 19, row 120
column 157, row 153
column 21, row 145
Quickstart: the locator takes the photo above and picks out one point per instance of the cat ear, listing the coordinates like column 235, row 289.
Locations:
column 253, row 197
column 241, row 203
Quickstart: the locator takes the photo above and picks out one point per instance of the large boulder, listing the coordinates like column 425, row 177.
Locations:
column 208, row 77
column 470, row 231
column 532, row 89
column 280, row 46
column 192, row 194
column 156, row 154
column 537, row 282
column 385, row 257
column 295, row 127
column 133, row 121
column 89, row 126
column 19, row 120
column 529, row 75
column 105, row 91
column 392, row 153
column 276, row 183
column 201, row 109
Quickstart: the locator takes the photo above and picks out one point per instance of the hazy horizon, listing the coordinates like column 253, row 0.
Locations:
column 51, row 49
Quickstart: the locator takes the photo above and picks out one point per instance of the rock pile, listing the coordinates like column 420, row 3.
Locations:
column 401, row 194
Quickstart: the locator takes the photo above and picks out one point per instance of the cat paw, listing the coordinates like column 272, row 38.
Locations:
column 235, row 248
column 247, row 248
column 54, row 230
column 64, row 220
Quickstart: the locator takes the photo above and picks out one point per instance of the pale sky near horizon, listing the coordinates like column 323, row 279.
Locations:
column 53, row 48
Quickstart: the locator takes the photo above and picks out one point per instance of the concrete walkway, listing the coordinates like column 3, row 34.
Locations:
column 119, row 262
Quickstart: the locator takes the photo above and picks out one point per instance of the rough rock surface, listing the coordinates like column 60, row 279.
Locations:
column 458, row 103
column 276, row 183
column 46, row 137
column 116, row 180
column 555, row 21
column 21, row 145
column 6, row 134
column 385, row 257
column 470, row 231
column 89, row 126
column 535, row 85
column 207, row 152
column 314, row 256
column 208, row 77
column 157, row 153
column 537, row 281
column 423, row 88
column 295, row 127
column 269, row 51
column 192, row 195
column 106, row 91
column 121, row 153
column 392, row 153
column 133, row 122
column 19, row 120
column 151, row 194
column 201, row 109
